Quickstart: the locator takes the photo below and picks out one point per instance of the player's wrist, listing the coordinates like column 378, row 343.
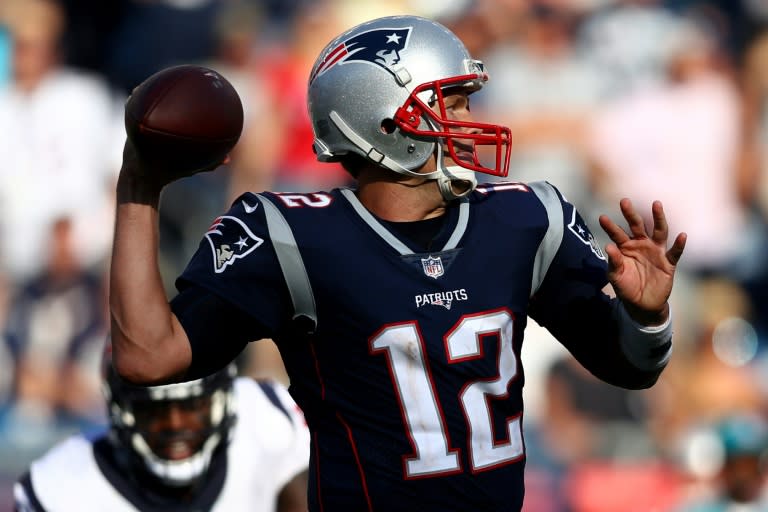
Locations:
column 137, row 189
column 648, row 347
column 647, row 318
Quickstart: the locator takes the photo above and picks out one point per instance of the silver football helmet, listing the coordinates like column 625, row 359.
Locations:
column 377, row 91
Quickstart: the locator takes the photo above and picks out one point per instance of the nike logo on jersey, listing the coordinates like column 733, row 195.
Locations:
column 445, row 299
column 249, row 208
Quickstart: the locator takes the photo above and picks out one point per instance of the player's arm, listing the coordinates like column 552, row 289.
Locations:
column 148, row 342
column 293, row 496
column 583, row 318
column 154, row 341
column 625, row 341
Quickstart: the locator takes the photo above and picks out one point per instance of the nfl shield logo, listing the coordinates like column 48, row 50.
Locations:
column 433, row 267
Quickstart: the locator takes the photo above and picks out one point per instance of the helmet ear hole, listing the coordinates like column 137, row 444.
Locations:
column 388, row 126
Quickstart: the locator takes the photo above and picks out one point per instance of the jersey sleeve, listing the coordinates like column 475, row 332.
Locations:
column 236, row 261
column 570, row 301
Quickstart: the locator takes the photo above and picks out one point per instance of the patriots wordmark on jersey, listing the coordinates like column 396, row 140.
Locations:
column 410, row 378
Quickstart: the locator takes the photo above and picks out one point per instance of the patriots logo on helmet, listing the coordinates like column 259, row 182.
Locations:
column 380, row 47
column 230, row 240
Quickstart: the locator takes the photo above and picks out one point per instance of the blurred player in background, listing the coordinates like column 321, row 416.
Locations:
column 218, row 443
column 398, row 305
column 741, row 446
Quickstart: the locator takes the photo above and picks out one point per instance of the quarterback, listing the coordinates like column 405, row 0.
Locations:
column 399, row 304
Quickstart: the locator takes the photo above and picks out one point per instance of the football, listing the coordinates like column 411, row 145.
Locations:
column 186, row 118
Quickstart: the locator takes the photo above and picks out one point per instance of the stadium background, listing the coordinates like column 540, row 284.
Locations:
column 644, row 98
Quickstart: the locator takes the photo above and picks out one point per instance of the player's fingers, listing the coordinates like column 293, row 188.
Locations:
column 676, row 251
column 613, row 230
column 660, row 227
column 615, row 258
column 634, row 219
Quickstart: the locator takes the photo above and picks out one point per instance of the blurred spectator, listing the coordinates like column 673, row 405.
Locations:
column 154, row 34
column 89, row 29
column 754, row 166
column 679, row 142
column 286, row 68
column 545, row 92
column 630, row 42
column 736, row 453
column 5, row 54
column 56, row 330
column 586, row 418
column 58, row 130
column 716, row 374
column 609, row 486
column 483, row 24
column 239, row 45
column 588, row 428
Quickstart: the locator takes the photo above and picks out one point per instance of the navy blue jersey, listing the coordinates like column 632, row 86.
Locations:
column 411, row 379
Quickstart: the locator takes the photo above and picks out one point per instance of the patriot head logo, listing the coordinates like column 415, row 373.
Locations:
column 379, row 47
column 230, row 240
column 578, row 227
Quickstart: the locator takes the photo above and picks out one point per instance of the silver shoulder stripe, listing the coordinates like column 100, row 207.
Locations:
column 291, row 263
column 550, row 244
column 375, row 224
column 362, row 211
column 461, row 226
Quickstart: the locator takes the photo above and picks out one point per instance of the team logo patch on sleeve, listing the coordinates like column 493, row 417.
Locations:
column 230, row 240
column 579, row 228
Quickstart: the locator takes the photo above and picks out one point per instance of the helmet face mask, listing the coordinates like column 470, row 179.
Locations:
column 378, row 91
column 172, row 431
column 460, row 138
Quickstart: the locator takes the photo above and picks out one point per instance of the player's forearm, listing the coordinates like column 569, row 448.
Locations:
column 148, row 342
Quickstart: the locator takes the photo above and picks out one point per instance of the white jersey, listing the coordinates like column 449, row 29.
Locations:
column 268, row 448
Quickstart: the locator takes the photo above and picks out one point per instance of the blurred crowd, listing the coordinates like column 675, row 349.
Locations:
column 648, row 99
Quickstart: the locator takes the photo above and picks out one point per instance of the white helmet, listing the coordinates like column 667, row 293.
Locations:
column 377, row 91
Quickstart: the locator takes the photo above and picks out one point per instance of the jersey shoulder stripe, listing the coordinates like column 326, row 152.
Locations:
column 267, row 387
column 25, row 496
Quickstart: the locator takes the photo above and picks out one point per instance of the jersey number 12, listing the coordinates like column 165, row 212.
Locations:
column 422, row 411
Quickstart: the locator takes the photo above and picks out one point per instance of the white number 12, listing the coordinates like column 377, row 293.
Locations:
column 404, row 347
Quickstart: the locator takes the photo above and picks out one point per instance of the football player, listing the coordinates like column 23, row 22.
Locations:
column 217, row 443
column 399, row 305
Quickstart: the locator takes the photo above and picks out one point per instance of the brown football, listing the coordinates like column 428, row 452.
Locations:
column 185, row 117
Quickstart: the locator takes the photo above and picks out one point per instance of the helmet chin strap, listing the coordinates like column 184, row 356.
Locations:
column 451, row 177
column 446, row 177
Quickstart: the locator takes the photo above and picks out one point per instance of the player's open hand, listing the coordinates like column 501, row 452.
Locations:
column 640, row 266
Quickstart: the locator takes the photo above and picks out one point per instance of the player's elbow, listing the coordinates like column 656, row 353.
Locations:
column 135, row 371
column 141, row 367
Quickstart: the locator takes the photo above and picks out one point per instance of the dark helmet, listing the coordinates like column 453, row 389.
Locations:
column 177, row 455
